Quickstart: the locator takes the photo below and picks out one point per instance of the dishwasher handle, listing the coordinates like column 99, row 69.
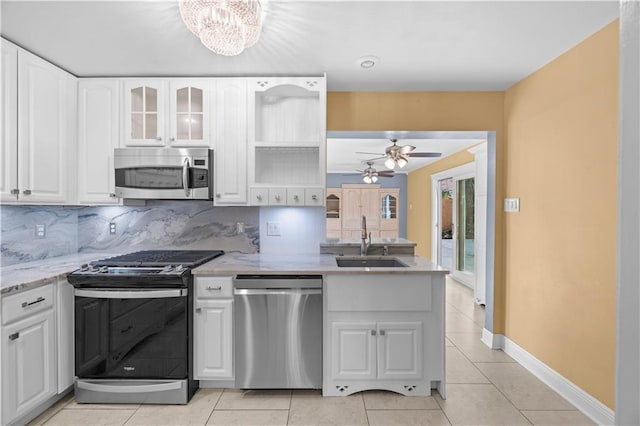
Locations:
column 276, row 292
column 261, row 282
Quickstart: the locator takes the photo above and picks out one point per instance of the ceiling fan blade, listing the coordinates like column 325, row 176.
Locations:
column 386, row 172
column 368, row 153
column 424, row 154
column 406, row 149
column 379, row 175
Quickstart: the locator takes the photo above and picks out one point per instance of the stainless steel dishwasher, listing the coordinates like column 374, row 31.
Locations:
column 278, row 324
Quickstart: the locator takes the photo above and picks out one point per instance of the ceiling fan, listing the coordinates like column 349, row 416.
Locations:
column 371, row 175
column 399, row 155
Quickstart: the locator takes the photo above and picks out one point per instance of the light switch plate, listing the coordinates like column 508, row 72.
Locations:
column 273, row 229
column 511, row 205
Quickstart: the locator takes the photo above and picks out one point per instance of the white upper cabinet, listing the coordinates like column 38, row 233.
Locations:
column 144, row 112
column 9, row 142
column 46, row 131
column 189, row 113
column 159, row 112
column 98, row 135
column 287, row 134
column 229, row 136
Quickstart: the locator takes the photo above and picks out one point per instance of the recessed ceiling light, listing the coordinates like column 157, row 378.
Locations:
column 368, row 62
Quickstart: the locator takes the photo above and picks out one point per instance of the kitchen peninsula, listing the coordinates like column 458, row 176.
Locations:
column 382, row 327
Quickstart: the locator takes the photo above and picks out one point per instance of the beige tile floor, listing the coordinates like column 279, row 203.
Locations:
column 484, row 387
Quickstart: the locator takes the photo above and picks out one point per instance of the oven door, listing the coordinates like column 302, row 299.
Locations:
column 131, row 334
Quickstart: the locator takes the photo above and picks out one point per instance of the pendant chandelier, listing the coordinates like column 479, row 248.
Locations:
column 226, row 27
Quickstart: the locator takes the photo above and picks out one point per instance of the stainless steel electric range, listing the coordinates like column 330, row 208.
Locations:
column 134, row 327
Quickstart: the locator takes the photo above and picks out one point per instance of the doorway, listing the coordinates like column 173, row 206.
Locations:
column 454, row 225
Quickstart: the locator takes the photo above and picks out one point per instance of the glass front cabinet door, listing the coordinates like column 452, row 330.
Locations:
column 333, row 212
column 166, row 112
column 389, row 212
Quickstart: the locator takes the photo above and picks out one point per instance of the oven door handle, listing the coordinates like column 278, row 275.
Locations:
column 156, row 387
column 132, row 294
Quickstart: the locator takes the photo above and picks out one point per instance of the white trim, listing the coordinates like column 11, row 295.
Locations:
column 493, row 341
column 587, row 404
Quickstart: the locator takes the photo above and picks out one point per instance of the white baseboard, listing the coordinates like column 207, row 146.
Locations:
column 591, row 407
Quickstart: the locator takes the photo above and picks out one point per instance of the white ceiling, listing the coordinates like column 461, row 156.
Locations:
column 422, row 45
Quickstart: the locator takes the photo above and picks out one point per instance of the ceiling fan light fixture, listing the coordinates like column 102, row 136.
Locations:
column 367, row 179
column 225, row 27
column 402, row 161
column 374, row 178
column 390, row 163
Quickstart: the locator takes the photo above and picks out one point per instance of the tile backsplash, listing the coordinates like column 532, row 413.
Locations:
column 158, row 225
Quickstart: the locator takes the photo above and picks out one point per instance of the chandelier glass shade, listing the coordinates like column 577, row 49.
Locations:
column 226, row 27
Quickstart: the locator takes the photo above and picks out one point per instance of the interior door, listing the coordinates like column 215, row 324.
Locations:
column 464, row 223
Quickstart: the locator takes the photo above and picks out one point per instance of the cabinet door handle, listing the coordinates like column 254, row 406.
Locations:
column 14, row 336
column 15, row 191
column 27, row 192
column 373, row 332
column 158, row 138
column 172, row 139
column 112, row 195
column 277, row 198
column 382, row 332
column 198, row 310
column 215, row 288
column 295, row 197
column 218, row 195
column 38, row 300
column 259, row 197
column 126, row 330
column 314, row 197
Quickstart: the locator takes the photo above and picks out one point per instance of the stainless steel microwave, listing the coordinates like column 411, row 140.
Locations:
column 164, row 173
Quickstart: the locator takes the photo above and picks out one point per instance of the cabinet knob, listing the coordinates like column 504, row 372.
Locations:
column 15, row 191
column 27, row 192
column 218, row 195
column 295, row 197
column 112, row 195
column 172, row 139
column 198, row 310
column 314, row 197
column 14, row 336
column 277, row 198
column 259, row 197
column 373, row 332
column 382, row 332
column 158, row 138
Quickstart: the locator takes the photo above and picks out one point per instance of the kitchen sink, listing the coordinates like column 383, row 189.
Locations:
column 369, row 262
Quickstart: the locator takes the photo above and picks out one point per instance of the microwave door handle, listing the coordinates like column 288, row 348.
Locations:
column 185, row 177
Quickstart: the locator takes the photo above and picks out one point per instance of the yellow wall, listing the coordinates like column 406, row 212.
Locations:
column 561, row 160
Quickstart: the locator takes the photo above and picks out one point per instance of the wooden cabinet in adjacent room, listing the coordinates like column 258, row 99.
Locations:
column 347, row 205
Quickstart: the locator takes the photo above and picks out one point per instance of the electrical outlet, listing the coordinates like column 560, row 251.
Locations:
column 41, row 231
column 273, row 229
column 112, row 228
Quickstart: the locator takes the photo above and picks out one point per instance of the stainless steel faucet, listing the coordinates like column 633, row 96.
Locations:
column 364, row 245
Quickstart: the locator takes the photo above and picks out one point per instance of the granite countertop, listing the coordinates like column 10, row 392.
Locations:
column 24, row 276
column 236, row 263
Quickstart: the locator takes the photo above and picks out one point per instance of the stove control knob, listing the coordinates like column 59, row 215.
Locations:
column 103, row 270
column 84, row 267
column 180, row 268
column 167, row 269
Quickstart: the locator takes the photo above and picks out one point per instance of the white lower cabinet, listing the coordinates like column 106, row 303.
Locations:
column 383, row 332
column 213, row 328
column 28, row 352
